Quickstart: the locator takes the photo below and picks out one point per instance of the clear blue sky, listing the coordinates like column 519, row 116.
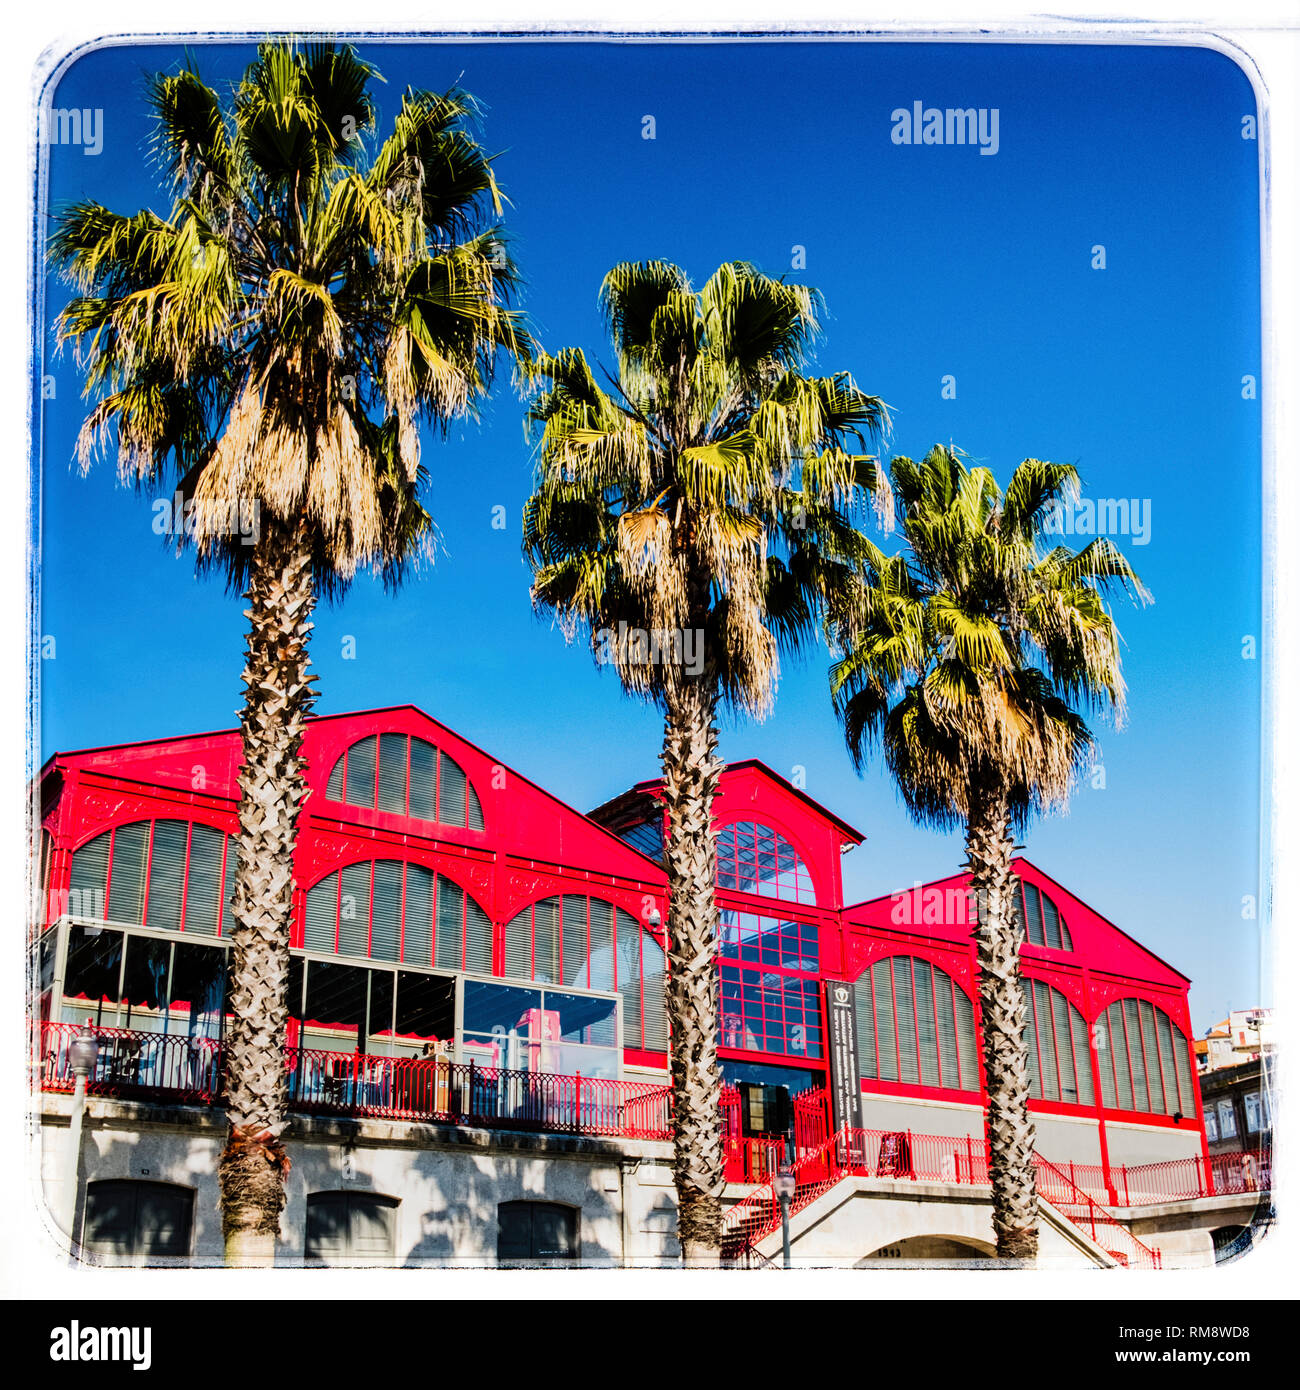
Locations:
column 934, row 261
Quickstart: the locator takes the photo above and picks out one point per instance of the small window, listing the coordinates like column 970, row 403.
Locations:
column 1227, row 1120
column 407, row 777
column 536, row 1231
column 138, row 1220
column 1042, row 923
column 345, row 1227
column 1211, row 1126
column 1252, row 1112
column 755, row 858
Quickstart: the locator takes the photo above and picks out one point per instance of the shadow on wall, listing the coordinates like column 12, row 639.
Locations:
column 929, row 1252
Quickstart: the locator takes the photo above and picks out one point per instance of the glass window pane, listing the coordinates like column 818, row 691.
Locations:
column 426, row 1008
column 198, row 990
column 166, row 874
column 92, row 975
column 144, row 983
column 336, row 1006
column 582, row 1018
column 381, row 1012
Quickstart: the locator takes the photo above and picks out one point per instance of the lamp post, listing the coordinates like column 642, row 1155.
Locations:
column 83, row 1054
column 784, row 1185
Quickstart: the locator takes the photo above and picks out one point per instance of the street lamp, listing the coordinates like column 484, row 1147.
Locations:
column 83, row 1054
column 784, row 1185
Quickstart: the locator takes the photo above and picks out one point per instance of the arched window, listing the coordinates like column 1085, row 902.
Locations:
column 385, row 909
column 1042, row 922
column 1057, row 1039
column 578, row 940
column 754, row 858
column 405, row 776
column 347, row 1226
column 174, row 875
column 1142, row 1059
column 137, row 1220
column 915, row 1025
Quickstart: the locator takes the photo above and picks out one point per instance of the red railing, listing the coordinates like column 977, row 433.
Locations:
column 1114, row 1238
column 189, row 1070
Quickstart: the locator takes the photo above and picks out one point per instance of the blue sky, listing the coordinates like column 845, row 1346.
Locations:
column 934, row 261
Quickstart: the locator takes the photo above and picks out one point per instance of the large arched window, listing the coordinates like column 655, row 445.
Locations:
column 385, row 909
column 582, row 941
column 1042, row 922
column 1142, row 1059
column 405, row 776
column 915, row 1025
column 755, row 858
column 1057, row 1039
column 174, row 875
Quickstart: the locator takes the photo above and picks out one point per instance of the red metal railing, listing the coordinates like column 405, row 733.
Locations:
column 189, row 1070
column 1087, row 1214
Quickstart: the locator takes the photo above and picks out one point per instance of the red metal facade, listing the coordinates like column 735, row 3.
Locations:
column 533, row 846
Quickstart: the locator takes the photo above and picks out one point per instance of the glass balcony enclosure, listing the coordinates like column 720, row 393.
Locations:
column 158, row 983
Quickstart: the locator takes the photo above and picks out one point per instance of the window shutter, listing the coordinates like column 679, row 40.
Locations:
column 334, row 787
column 1069, row 1083
column 519, row 946
column 451, row 791
column 228, row 892
column 475, row 808
column 970, row 1075
column 451, row 924
column 354, row 910
column 392, row 773
column 1168, row 1076
column 1137, row 1062
column 600, row 970
column 361, row 773
column 423, row 791
column 925, row 1023
column 1067, row 943
column 886, row 1037
column 166, row 874
column 630, row 974
column 1031, row 1040
column 1082, row 1057
column 386, row 923
column 905, row 1019
column 1151, row 1056
column 1051, row 922
column 865, row 1008
column 1106, row 1060
column 126, row 890
column 573, row 915
column 478, row 938
column 321, row 916
column 546, row 941
column 655, row 1015
column 417, row 941
column 1186, row 1086
column 946, row 1032
column 88, row 883
column 202, row 897
column 1033, row 914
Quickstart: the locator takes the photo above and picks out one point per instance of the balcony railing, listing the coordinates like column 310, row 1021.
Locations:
column 168, row 1067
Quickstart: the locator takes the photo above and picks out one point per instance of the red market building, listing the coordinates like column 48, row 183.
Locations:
column 473, row 957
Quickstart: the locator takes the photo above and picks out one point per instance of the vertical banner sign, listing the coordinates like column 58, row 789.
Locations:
column 842, row 1055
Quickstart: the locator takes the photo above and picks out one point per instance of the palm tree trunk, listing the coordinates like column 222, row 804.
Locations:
column 690, row 780
column 1002, row 1004
column 277, row 699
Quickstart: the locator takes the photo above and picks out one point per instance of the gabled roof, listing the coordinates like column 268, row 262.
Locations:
column 642, row 797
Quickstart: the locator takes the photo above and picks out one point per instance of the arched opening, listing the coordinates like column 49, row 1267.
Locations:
column 954, row 1251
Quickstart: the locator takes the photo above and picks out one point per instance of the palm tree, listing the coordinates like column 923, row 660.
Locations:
column 965, row 657
column 273, row 344
column 693, row 519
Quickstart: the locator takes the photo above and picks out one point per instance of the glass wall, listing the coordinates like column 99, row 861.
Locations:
column 540, row 1030
column 770, row 1000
